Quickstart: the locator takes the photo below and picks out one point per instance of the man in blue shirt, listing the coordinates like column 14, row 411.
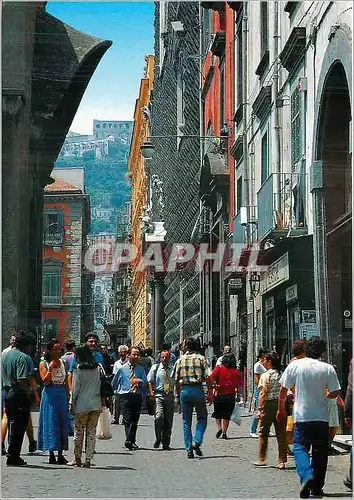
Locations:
column 130, row 382
column 161, row 388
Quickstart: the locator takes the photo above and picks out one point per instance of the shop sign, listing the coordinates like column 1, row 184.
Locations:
column 348, row 323
column 269, row 304
column 234, row 286
column 277, row 273
column 291, row 293
column 308, row 330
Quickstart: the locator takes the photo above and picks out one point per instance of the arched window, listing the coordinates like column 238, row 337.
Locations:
column 104, row 125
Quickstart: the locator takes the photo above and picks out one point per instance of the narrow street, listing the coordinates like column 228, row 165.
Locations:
column 225, row 471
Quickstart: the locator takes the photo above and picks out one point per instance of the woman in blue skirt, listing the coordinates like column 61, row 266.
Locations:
column 53, row 415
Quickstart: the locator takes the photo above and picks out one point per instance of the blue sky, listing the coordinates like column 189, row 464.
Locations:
column 114, row 87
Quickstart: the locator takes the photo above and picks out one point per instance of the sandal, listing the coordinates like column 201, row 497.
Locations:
column 280, row 466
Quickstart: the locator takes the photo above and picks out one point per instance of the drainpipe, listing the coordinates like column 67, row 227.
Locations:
column 249, row 298
column 320, row 254
column 275, row 91
column 201, row 150
column 244, row 119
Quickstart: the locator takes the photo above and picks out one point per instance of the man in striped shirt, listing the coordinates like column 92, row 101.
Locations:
column 190, row 371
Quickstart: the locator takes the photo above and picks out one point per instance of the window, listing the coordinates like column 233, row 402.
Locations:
column 239, row 194
column 295, row 128
column 52, row 227
column 264, row 158
column 51, row 294
column 239, row 70
column 206, row 33
column 180, row 103
column 222, row 92
column 163, row 12
column 104, row 125
column 264, row 28
column 50, row 330
column 98, row 125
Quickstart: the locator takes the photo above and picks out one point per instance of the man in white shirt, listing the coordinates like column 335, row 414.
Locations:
column 314, row 382
column 123, row 351
column 226, row 350
column 11, row 346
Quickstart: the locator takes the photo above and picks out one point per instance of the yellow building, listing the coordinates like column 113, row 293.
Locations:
column 139, row 201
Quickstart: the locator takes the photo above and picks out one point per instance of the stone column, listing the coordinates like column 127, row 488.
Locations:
column 159, row 313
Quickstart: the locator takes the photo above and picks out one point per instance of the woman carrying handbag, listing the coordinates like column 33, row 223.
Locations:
column 227, row 379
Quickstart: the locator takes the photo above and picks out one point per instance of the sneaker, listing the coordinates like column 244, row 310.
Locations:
column 87, row 463
column 190, row 454
column 157, row 444
column 260, row 464
column 17, row 462
column 253, row 435
column 306, row 488
column 76, row 462
column 135, row 446
column 128, row 445
column 32, row 447
column 198, row 451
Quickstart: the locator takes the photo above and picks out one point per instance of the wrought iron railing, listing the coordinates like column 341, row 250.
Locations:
column 281, row 203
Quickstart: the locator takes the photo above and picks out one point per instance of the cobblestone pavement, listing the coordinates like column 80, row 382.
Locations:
column 225, row 471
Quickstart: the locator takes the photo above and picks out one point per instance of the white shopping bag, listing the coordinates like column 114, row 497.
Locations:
column 103, row 426
column 236, row 415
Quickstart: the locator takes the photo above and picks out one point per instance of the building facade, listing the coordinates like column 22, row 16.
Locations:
column 292, row 160
column 117, row 322
column 37, row 113
column 174, row 169
column 67, row 306
column 139, row 206
column 217, row 168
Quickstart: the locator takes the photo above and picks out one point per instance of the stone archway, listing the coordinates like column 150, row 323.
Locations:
column 333, row 213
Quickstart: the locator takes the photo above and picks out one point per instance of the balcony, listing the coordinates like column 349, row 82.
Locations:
column 238, row 229
column 281, row 205
column 51, row 301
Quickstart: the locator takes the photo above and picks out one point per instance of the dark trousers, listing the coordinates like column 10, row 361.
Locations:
column 131, row 408
column 165, row 405
column 17, row 407
column 116, row 408
column 315, row 435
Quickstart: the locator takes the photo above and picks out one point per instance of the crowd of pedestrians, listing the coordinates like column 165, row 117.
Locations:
column 301, row 400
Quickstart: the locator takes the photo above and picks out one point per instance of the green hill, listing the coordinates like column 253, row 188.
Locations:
column 105, row 182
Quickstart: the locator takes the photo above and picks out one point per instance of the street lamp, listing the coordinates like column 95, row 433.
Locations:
column 255, row 282
column 147, row 147
column 56, row 238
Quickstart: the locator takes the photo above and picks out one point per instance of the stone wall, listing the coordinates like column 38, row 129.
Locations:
column 177, row 161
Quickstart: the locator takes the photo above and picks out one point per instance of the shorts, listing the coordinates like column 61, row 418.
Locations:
column 289, row 424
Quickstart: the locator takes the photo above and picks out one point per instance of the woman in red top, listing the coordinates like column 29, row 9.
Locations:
column 227, row 379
